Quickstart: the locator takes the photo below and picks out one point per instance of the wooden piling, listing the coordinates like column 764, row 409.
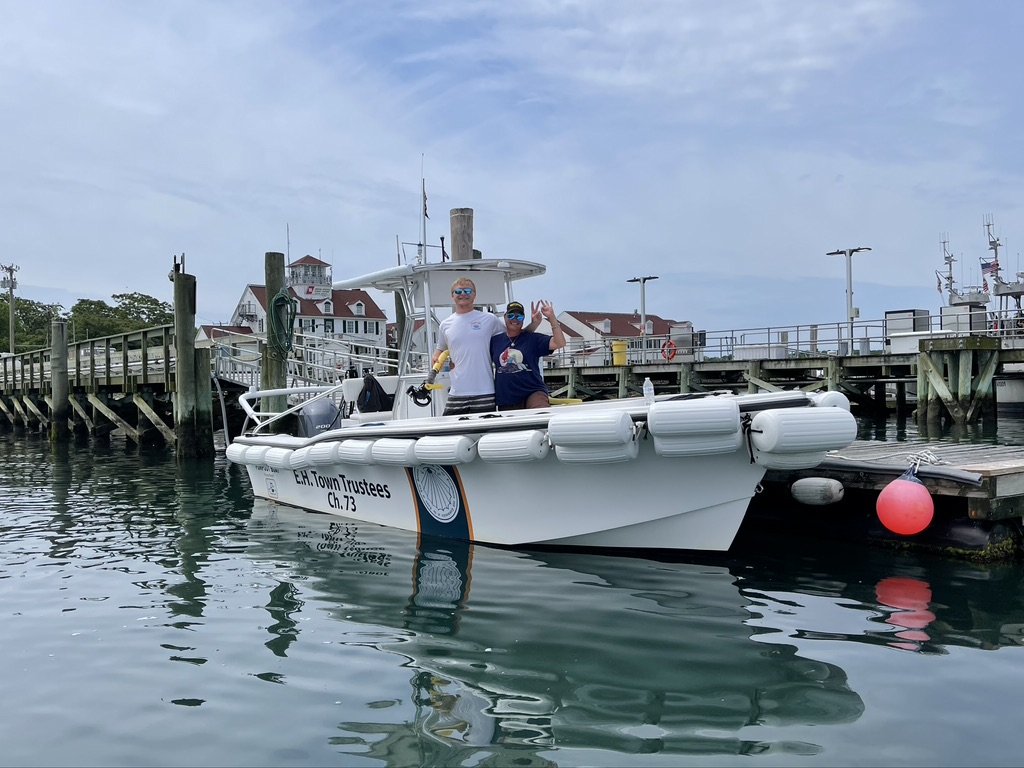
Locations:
column 61, row 408
column 274, row 354
column 193, row 424
column 462, row 233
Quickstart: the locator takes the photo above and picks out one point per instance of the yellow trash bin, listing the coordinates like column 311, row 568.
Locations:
column 619, row 353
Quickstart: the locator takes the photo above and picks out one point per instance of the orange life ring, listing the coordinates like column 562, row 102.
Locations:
column 668, row 350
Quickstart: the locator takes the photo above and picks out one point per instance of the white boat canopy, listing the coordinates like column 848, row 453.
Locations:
column 491, row 277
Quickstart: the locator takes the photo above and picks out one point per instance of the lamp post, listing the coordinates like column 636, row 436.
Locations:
column 10, row 283
column 848, row 253
column 643, row 311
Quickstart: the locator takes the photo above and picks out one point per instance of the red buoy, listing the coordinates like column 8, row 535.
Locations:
column 904, row 506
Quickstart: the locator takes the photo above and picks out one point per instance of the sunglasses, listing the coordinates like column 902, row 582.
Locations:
column 463, row 291
column 515, row 317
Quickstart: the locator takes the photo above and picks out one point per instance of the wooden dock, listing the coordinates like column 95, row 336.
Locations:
column 987, row 479
column 977, row 490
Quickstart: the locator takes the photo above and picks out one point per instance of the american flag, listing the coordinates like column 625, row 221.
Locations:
column 990, row 267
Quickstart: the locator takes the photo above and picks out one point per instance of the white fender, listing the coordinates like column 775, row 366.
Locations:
column 236, row 453
column 394, row 450
column 802, row 430
column 278, row 458
column 507, row 447
column 817, row 491
column 832, row 399
column 322, row 454
column 446, row 449
column 597, row 454
column 693, row 417
column 589, row 428
column 355, row 452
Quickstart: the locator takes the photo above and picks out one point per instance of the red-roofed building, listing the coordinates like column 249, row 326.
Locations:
column 589, row 337
column 322, row 314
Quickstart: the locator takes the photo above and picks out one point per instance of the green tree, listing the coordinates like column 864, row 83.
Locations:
column 143, row 311
column 32, row 321
column 88, row 319
column 92, row 319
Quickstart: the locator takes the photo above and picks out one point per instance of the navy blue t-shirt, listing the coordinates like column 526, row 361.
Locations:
column 517, row 366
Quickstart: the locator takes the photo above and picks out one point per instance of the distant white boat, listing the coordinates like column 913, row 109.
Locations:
column 676, row 473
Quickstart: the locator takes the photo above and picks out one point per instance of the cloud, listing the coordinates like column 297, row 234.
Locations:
column 724, row 147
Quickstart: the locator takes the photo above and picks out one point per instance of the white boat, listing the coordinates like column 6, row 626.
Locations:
column 677, row 473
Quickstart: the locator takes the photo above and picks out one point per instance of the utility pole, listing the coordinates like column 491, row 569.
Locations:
column 850, row 314
column 10, row 283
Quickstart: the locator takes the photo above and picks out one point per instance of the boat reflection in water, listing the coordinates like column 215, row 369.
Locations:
column 555, row 650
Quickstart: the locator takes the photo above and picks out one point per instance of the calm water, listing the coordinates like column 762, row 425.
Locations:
column 155, row 614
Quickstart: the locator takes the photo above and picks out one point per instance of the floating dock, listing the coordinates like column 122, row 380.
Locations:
column 978, row 491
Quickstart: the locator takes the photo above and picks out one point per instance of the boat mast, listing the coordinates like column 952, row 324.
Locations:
column 950, row 281
column 993, row 245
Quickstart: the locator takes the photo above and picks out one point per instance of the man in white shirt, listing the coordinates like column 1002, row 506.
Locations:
column 466, row 334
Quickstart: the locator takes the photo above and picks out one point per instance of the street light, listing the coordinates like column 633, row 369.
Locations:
column 643, row 302
column 848, row 253
column 10, row 283
column 643, row 311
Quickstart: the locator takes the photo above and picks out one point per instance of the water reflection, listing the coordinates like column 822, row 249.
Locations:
column 911, row 599
column 547, row 650
column 866, row 595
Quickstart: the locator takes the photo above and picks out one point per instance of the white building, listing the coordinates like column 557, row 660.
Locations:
column 345, row 330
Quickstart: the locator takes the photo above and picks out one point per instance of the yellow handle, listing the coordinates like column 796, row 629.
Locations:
column 440, row 361
column 436, row 370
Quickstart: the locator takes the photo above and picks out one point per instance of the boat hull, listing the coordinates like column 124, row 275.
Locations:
column 649, row 502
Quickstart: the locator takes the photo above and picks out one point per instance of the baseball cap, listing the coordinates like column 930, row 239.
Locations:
column 515, row 306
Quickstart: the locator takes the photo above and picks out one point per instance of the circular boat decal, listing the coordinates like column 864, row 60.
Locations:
column 437, row 491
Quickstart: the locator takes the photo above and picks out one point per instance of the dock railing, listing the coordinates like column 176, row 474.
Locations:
column 138, row 356
column 870, row 337
column 317, row 360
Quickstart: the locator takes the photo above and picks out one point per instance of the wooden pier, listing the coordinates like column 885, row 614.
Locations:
column 948, row 378
column 977, row 489
column 151, row 384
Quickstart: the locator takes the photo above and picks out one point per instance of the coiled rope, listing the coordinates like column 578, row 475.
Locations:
column 281, row 325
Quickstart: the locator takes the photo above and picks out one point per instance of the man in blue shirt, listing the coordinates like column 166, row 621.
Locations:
column 518, row 382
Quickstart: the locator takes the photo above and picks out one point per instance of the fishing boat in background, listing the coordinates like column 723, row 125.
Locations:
column 670, row 472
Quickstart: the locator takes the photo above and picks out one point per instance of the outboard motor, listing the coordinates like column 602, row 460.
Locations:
column 318, row 416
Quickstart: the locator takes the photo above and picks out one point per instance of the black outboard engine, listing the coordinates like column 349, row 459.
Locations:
column 318, row 416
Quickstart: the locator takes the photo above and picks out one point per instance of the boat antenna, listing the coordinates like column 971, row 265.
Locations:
column 287, row 242
column 422, row 251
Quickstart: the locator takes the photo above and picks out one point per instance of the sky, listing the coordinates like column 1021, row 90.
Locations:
column 724, row 147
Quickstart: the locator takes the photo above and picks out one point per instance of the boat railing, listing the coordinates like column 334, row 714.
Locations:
column 312, row 361
column 254, row 403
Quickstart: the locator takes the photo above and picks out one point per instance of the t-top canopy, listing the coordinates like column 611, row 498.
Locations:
column 489, row 276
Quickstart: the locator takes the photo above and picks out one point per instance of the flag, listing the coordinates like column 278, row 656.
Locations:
column 990, row 267
column 425, row 216
column 938, row 285
column 984, row 285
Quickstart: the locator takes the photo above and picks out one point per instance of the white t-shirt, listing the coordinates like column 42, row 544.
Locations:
column 468, row 339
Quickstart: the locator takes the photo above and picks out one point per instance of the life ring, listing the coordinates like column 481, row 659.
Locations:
column 668, row 350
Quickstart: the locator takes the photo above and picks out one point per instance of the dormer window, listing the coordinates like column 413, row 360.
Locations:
column 606, row 326
column 359, row 309
column 328, row 308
